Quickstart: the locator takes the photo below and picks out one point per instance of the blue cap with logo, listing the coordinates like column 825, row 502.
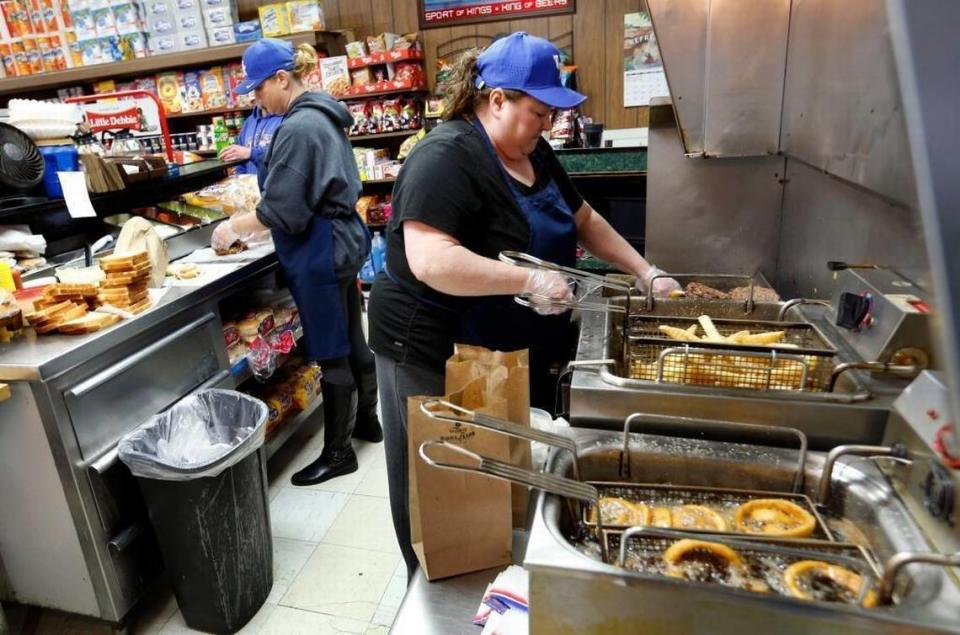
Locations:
column 529, row 64
column 262, row 60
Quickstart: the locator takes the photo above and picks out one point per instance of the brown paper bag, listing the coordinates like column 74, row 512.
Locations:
column 508, row 378
column 459, row 522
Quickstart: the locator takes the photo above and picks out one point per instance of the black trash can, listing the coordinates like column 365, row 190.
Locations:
column 202, row 469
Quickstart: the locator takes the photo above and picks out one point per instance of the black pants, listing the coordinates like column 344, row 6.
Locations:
column 398, row 382
column 346, row 372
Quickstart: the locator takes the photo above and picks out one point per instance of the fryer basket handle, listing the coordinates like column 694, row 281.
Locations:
column 897, row 561
column 698, row 426
column 502, row 426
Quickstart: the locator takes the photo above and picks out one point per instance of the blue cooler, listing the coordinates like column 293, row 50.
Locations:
column 59, row 155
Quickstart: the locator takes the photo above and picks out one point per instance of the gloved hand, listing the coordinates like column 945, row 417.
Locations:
column 547, row 285
column 223, row 236
column 661, row 286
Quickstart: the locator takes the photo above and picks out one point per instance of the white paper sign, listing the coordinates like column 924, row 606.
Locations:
column 75, row 194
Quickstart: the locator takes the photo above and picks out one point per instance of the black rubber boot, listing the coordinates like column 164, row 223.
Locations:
column 368, row 425
column 338, row 457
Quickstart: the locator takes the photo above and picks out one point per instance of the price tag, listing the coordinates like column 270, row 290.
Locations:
column 75, row 194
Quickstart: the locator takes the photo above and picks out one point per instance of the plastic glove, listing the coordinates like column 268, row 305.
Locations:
column 547, row 285
column 661, row 286
column 223, row 236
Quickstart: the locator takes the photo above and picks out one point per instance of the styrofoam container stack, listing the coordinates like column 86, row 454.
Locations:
column 44, row 120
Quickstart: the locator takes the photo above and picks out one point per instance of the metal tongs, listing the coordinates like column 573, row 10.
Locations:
column 569, row 489
column 588, row 283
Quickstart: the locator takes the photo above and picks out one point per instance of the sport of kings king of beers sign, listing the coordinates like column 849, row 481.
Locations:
column 439, row 13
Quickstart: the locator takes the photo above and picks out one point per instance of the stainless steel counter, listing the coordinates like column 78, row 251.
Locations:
column 447, row 607
column 32, row 357
column 80, row 540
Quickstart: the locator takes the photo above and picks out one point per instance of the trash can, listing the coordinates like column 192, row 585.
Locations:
column 201, row 468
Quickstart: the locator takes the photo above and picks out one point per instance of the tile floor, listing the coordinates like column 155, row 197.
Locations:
column 337, row 566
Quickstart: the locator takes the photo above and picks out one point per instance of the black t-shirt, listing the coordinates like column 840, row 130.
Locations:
column 451, row 182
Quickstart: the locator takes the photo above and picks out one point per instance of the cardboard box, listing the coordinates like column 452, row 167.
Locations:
column 221, row 35
column 192, row 39
column 248, row 31
column 126, row 18
column 212, row 90
column 168, row 90
column 165, row 24
column 158, row 7
column 335, row 75
column 189, row 20
column 304, row 15
column 191, row 94
column 274, row 20
column 188, row 6
column 160, row 44
column 218, row 16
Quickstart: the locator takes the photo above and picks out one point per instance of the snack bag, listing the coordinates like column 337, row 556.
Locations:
column 410, row 116
column 361, row 76
column 356, row 49
column 376, row 116
column 361, row 117
column 408, row 72
column 390, row 119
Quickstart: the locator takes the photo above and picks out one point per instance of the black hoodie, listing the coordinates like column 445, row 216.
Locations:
column 309, row 169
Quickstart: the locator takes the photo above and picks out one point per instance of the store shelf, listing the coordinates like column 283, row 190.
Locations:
column 385, row 135
column 289, row 428
column 192, row 176
column 390, row 57
column 209, row 113
column 379, row 181
column 198, row 57
column 387, row 87
column 205, row 153
column 242, row 372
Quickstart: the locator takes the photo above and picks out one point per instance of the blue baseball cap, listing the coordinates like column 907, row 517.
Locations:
column 262, row 60
column 527, row 63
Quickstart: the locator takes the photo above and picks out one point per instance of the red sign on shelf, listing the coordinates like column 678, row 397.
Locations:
column 444, row 12
column 130, row 119
column 389, row 57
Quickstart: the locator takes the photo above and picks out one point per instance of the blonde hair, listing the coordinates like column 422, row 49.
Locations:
column 304, row 60
column 462, row 97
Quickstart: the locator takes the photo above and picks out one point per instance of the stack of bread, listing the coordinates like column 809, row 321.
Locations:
column 68, row 308
column 49, row 314
column 126, row 282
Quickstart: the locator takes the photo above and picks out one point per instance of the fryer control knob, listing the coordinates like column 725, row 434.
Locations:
column 938, row 493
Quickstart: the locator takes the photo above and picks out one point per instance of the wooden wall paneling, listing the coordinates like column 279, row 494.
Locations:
column 432, row 38
column 331, row 14
column 357, row 16
column 534, row 26
column 560, row 30
column 589, row 41
column 405, row 16
column 614, row 114
column 382, row 16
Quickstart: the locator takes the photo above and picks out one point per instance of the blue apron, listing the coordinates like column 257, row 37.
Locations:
column 498, row 322
column 307, row 261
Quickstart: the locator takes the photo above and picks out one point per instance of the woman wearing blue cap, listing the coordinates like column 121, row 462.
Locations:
column 482, row 182
column 309, row 185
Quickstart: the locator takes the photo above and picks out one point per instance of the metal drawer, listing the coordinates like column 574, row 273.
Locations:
column 115, row 400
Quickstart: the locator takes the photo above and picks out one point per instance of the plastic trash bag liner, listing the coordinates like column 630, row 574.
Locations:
column 200, row 436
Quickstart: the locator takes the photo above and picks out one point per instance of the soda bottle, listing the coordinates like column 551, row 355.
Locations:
column 220, row 137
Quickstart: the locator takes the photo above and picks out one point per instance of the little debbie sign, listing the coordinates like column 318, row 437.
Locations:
column 448, row 12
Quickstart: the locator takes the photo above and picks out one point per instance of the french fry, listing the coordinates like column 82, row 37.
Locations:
column 736, row 337
column 677, row 334
column 692, row 330
column 770, row 337
column 712, row 334
column 677, row 293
